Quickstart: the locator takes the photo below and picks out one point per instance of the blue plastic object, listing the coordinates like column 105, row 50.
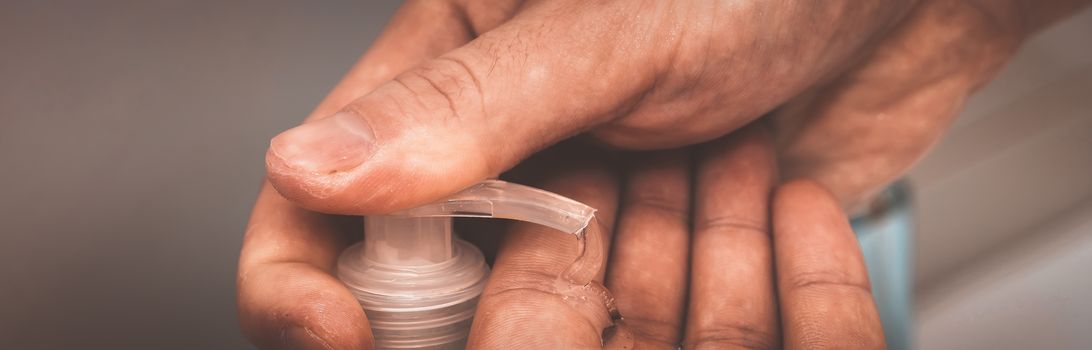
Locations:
column 885, row 233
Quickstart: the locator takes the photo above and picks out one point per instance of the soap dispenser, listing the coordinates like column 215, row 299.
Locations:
column 419, row 283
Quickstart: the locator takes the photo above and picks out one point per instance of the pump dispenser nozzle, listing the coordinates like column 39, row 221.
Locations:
column 418, row 284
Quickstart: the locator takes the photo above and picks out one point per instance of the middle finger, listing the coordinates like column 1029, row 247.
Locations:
column 648, row 266
column 732, row 298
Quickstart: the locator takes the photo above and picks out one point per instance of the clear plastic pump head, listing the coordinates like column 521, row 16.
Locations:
column 499, row 199
column 418, row 283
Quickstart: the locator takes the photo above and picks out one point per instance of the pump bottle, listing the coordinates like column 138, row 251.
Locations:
column 418, row 283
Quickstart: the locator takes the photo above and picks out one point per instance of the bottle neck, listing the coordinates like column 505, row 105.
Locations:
column 408, row 241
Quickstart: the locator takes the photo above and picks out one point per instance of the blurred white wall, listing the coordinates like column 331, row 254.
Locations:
column 1029, row 294
column 1005, row 207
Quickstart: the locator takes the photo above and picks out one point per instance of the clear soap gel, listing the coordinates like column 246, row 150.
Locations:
column 419, row 284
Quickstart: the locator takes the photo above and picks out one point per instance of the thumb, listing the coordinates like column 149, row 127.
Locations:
column 458, row 119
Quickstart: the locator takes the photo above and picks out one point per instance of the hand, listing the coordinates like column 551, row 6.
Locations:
column 803, row 286
column 539, row 72
column 865, row 88
column 637, row 75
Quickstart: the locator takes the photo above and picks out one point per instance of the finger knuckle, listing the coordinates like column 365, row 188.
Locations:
column 657, row 330
column 731, row 223
column 732, row 336
column 673, row 205
column 448, row 85
column 827, row 281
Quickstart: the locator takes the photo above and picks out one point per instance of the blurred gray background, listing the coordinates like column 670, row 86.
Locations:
column 132, row 135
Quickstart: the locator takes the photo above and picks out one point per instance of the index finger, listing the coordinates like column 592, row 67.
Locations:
column 826, row 300
column 527, row 304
